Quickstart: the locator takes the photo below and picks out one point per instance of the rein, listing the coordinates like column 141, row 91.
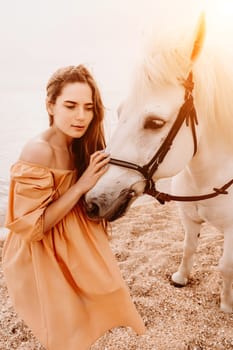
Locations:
column 187, row 113
column 165, row 197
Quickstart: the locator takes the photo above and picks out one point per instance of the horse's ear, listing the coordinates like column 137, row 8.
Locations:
column 199, row 38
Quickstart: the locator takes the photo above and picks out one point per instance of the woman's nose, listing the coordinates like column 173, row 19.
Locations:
column 80, row 113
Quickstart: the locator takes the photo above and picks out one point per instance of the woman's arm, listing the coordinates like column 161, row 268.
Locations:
column 61, row 207
column 41, row 153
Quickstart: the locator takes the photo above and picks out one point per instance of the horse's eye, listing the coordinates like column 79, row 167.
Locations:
column 153, row 123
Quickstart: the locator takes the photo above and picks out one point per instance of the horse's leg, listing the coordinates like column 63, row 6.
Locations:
column 226, row 269
column 192, row 233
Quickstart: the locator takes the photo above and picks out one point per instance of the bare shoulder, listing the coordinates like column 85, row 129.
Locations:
column 37, row 151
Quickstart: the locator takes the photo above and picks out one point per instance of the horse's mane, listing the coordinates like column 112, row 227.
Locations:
column 166, row 60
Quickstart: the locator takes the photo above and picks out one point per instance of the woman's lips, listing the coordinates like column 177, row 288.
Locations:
column 78, row 127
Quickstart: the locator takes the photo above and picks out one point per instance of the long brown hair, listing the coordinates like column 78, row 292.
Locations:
column 93, row 139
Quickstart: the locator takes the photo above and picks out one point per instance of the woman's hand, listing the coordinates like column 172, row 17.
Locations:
column 97, row 167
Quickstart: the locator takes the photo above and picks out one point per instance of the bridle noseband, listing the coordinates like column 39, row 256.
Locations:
column 187, row 113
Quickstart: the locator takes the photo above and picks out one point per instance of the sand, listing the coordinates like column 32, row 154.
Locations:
column 147, row 243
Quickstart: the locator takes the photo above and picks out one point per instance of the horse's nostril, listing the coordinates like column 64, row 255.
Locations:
column 92, row 209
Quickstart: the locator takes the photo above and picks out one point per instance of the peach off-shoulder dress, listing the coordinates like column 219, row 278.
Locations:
column 65, row 283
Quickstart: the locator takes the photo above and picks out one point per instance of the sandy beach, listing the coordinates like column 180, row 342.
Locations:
column 147, row 243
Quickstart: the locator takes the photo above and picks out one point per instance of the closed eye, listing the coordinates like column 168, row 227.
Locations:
column 89, row 108
column 153, row 122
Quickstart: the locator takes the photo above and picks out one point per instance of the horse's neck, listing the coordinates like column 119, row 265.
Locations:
column 212, row 164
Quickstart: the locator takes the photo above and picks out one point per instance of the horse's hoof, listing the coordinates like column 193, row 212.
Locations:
column 178, row 280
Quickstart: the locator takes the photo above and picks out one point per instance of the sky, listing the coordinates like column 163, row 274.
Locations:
column 36, row 37
column 39, row 36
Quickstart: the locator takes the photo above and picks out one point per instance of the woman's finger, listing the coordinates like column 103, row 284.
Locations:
column 98, row 156
column 102, row 163
column 102, row 170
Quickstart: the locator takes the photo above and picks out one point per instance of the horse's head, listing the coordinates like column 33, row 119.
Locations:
column 157, row 123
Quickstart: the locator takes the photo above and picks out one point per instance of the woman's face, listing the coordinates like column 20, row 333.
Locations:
column 73, row 110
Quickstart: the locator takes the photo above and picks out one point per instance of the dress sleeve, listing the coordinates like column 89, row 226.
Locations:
column 31, row 191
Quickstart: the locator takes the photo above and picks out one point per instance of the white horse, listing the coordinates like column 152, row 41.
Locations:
column 177, row 122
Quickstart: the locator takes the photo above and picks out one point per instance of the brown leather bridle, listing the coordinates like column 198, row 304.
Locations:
column 187, row 113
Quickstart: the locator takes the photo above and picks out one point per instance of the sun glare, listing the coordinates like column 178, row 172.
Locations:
column 219, row 14
column 222, row 7
column 221, row 10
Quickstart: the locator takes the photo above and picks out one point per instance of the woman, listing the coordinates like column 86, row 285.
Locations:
column 60, row 272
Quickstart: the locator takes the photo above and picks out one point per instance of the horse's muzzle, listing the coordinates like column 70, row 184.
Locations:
column 100, row 208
